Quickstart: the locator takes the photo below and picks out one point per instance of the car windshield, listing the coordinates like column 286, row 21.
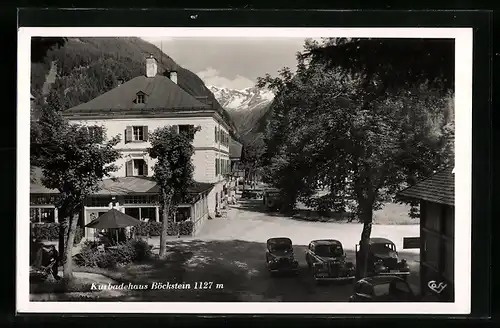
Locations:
column 329, row 250
column 382, row 248
column 280, row 247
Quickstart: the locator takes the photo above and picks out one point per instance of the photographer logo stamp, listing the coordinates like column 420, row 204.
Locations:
column 434, row 286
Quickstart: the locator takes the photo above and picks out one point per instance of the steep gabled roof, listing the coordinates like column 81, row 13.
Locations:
column 438, row 188
column 160, row 92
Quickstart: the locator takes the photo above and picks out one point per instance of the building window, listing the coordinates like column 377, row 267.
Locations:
column 95, row 131
column 42, row 215
column 140, row 98
column 148, row 214
column 138, row 133
column 94, row 201
column 143, row 199
column 136, row 167
column 216, row 135
column 42, row 200
column 133, row 212
column 142, row 213
column 139, row 167
column 187, row 129
column 183, row 214
column 216, row 166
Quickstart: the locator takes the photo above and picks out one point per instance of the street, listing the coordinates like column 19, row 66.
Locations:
column 228, row 257
column 228, row 254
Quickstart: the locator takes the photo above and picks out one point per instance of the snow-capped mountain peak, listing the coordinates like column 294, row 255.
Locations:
column 241, row 100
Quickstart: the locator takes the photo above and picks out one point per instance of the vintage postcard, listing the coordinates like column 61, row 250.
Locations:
column 254, row 170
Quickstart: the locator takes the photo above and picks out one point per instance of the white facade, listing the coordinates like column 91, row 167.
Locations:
column 210, row 149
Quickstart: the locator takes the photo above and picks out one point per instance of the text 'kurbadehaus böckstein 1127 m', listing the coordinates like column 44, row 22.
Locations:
column 199, row 285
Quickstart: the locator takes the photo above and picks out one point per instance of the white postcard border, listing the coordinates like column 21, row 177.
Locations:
column 463, row 177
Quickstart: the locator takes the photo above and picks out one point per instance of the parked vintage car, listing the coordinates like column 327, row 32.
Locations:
column 383, row 259
column 280, row 257
column 271, row 199
column 327, row 260
column 252, row 193
column 383, row 289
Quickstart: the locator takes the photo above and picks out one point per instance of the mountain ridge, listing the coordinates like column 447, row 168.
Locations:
column 247, row 107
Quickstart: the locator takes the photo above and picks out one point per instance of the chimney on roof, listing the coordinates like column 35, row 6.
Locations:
column 151, row 66
column 173, row 76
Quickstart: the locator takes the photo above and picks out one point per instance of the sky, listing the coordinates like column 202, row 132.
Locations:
column 231, row 62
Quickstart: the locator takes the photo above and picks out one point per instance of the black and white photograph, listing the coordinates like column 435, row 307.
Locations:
column 252, row 170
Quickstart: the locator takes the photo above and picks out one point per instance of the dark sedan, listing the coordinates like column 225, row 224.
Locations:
column 383, row 289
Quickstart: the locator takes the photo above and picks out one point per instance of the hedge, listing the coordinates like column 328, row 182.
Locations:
column 50, row 231
column 134, row 250
column 154, row 228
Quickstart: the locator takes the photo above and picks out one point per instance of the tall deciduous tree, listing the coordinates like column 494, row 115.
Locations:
column 358, row 132
column 173, row 171
column 252, row 155
column 73, row 159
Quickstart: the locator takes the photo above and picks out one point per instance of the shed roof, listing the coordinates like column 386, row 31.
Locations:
column 438, row 188
column 117, row 186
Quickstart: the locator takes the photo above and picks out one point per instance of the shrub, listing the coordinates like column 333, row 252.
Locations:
column 50, row 231
column 141, row 248
column 172, row 228
column 148, row 228
column 106, row 260
column 154, row 228
column 134, row 250
column 186, row 228
column 46, row 231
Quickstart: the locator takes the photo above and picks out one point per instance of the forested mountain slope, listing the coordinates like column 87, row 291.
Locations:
column 88, row 67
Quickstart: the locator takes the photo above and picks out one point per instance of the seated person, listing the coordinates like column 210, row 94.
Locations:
column 104, row 239
column 36, row 253
column 54, row 256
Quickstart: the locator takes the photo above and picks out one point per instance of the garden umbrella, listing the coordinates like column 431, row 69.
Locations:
column 113, row 219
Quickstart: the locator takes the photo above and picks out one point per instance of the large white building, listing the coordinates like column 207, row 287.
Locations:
column 133, row 110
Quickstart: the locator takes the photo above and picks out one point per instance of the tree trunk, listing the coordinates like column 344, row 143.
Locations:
column 68, row 245
column 164, row 228
column 63, row 232
column 362, row 256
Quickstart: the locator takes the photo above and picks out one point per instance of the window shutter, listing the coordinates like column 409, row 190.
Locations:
column 145, row 168
column 145, row 133
column 129, row 169
column 216, row 135
column 128, row 134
